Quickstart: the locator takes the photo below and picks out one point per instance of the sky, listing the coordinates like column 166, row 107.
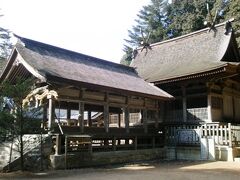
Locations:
column 93, row 27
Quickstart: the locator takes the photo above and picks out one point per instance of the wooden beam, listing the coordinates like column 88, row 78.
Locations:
column 101, row 103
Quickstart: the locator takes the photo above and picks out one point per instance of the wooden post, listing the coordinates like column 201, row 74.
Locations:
column 114, row 143
column 184, row 104
column 58, row 144
column 45, row 117
column 81, row 116
column 162, row 111
column 68, row 112
column 106, row 113
column 50, row 112
column 153, row 142
column 156, row 118
column 89, row 118
column 106, row 118
column 145, row 126
column 135, row 142
column 126, row 118
column 209, row 102
column 119, row 120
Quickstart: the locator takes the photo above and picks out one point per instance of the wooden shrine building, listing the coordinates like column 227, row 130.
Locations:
column 201, row 70
column 83, row 95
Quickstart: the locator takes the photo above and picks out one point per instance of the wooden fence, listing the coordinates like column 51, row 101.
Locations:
column 224, row 134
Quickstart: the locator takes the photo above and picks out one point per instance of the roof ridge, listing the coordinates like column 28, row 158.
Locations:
column 23, row 40
column 187, row 35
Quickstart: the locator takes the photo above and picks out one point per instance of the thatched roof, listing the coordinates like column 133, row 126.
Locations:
column 49, row 62
column 188, row 55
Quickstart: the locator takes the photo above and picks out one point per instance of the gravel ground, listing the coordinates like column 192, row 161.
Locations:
column 161, row 170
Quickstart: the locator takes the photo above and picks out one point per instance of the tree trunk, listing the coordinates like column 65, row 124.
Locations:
column 21, row 140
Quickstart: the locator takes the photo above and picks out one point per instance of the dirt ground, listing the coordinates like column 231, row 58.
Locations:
column 154, row 170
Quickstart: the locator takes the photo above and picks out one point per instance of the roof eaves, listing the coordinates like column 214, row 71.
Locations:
column 8, row 66
column 61, row 80
column 192, row 76
column 31, row 69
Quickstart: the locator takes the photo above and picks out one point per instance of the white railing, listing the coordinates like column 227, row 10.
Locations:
column 224, row 134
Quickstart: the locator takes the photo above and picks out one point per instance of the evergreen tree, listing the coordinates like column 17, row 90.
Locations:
column 233, row 11
column 5, row 46
column 5, row 43
column 181, row 17
column 186, row 16
column 16, row 121
column 150, row 27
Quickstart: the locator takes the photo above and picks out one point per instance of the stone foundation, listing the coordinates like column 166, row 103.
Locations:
column 105, row 158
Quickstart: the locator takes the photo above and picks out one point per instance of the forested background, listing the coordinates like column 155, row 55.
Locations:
column 161, row 20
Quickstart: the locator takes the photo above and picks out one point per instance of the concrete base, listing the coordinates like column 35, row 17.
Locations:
column 224, row 153
column 105, row 158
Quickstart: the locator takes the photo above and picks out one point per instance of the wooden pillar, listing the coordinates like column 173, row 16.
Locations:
column 106, row 118
column 135, row 142
column 51, row 112
column 119, row 120
column 89, row 118
column 153, row 142
column 156, row 114
column 145, row 126
column 161, row 110
column 184, row 104
column 126, row 119
column 209, row 109
column 58, row 144
column 114, row 143
column 81, row 116
column 209, row 102
column 68, row 112
column 45, row 117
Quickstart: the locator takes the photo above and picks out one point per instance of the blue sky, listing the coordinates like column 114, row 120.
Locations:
column 93, row 27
